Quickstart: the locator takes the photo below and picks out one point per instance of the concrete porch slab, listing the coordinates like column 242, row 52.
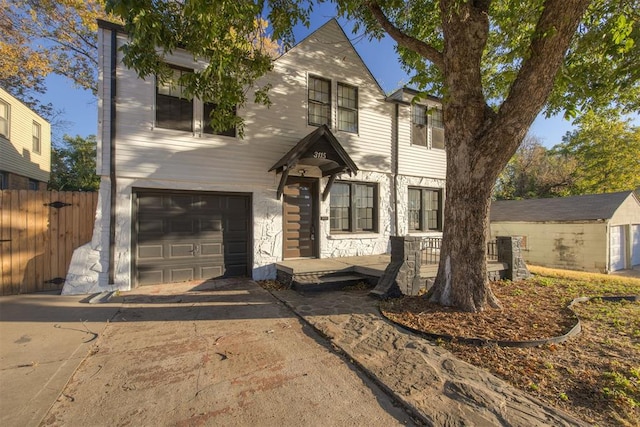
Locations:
column 330, row 265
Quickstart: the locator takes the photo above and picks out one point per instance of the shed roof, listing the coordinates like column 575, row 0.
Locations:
column 575, row 208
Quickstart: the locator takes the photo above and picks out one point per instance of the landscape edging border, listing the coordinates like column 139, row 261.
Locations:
column 575, row 329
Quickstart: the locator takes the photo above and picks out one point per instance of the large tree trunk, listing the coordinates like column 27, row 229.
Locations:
column 479, row 140
column 462, row 274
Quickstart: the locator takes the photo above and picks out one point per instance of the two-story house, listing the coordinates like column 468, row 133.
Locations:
column 25, row 146
column 332, row 168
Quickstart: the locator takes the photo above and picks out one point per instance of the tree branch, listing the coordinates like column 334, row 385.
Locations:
column 404, row 40
column 530, row 90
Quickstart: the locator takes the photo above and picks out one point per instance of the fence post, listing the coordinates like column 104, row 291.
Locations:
column 510, row 252
column 402, row 275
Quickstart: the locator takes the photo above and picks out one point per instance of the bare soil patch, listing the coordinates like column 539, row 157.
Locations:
column 595, row 375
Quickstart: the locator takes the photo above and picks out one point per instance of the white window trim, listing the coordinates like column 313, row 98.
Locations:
column 8, row 118
column 35, row 126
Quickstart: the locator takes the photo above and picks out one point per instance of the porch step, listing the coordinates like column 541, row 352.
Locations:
column 325, row 282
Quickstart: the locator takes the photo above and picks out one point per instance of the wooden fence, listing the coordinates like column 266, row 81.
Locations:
column 38, row 232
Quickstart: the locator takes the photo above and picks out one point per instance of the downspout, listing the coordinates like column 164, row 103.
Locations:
column 395, row 168
column 112, row 158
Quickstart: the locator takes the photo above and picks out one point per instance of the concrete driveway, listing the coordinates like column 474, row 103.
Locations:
column 217, row 353
column 43, row 339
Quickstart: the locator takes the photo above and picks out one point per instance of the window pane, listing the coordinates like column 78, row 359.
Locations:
column 347, row 120
column 347, row 96
column 436, row 118
column 432, row 209
column 173, row 111
column 364, row 207
column 339, row 211
column 319, row 101
column 319, row 114
column 347, row 108
column 36, row 137
column 419, row 115
column 4, row 119
column 415, row 207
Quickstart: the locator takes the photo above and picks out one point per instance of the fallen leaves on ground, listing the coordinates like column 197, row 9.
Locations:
column 595, row 375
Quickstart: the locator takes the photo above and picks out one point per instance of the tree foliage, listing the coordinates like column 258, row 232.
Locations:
column 497, row 64
column 535, row 172
column 230, row 38
column 40, row 37
column 606, row 152
column 73, row 165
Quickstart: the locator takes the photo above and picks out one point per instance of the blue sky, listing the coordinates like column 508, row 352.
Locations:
column 80, row 107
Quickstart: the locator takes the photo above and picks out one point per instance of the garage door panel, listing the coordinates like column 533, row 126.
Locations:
column 190, row 237
column 149, row 276
column 180, row 250
column 212, row 271
column 210, row 249
column 212, row 225
column 150, row 251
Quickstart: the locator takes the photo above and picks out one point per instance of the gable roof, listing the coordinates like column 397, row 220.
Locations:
column 575, row 208
column 334, row 21
column 335, row 157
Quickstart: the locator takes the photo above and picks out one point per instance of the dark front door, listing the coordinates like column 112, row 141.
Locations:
column 299, row 218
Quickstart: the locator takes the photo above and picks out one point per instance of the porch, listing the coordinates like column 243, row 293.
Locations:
column 335, row 273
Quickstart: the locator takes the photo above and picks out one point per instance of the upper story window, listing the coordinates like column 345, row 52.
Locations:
column 173, row 109
column 437, row 128
column 419, row 125
column 421, row 117
column 4, row 118
column 354, row 207
column 4, row 181
column 347, row 108
column 425, row 209
column 33, row 184
column 209, row 108
column 37, row 142
column 319, row 101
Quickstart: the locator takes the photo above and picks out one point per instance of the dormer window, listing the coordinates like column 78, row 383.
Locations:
column 419, row 125
column 437, row 128
column 319, row 101
column 425, row 121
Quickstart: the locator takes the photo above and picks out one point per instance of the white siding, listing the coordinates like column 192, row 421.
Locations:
column 417, row 160
column 146, row 152
column 16, row 152
column 149, row 157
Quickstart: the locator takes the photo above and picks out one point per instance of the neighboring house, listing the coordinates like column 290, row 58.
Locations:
column 597, row 232
column 332, row 168
column 25, row 146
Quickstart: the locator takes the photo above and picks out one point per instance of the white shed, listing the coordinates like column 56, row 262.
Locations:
column 596, row 232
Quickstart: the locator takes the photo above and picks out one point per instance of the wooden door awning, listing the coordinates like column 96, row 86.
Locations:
column 321, row 149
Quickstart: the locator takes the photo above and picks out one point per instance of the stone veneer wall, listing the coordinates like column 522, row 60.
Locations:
column 510, row 252
column 404, row 182
column 357, row 244
column 402, row 275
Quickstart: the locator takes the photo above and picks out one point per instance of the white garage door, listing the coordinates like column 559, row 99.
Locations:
column 635, row 247
column 616, row 248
